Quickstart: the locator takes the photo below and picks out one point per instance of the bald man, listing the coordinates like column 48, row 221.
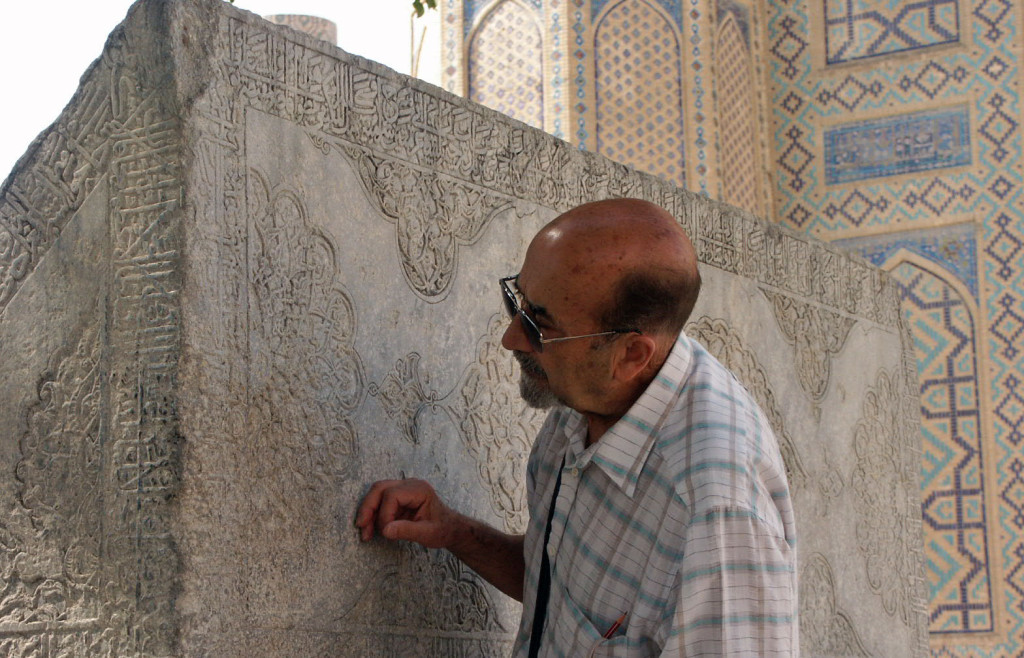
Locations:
column 660, row 517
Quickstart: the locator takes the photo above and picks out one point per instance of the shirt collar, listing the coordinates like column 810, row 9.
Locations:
column 623, row 450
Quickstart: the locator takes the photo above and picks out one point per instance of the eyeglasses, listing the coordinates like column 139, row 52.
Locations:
column 530, row 328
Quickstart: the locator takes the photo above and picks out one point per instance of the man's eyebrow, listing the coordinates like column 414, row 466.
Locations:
column 535, row 310
column 539, row 311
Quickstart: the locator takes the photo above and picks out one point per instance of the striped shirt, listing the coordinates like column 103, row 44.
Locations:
column 679, row 518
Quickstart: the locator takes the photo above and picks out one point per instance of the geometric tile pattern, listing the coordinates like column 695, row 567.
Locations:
column 699, row 11
column 906, row 143
column 638, row 89
column 953, row 248
column 984, row 72
column 582, row 55
column 506, row 64
column 735, row 120
column 855, row 29
column 952, row 475
column 738, row 12
column 673, row 8
column 471, row 9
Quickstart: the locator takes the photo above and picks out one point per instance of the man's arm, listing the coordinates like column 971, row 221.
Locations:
column 736, row 589
column 411, row 510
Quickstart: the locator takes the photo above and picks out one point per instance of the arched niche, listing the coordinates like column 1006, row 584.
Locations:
column 505, row 62
column 639, row 95
column 942, row 317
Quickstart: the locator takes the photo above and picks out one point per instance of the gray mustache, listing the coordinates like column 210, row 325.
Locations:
column 528, row 364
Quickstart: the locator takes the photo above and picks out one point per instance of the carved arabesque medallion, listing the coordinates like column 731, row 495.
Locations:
column 51, row 539
column 825, row 629
column 496, row 427
column 434, row 215
column 816, row 334
column 885, row 484
column 306, row 377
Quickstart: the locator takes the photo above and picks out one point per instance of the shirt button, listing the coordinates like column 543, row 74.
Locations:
column 575, row 472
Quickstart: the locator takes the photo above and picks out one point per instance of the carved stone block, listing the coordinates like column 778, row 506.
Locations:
column 244, row 275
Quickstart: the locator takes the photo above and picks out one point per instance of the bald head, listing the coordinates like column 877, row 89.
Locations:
column 641, row 264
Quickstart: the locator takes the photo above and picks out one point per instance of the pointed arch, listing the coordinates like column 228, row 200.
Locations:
column 506, row 64
column 735, row 105
column 638, row 90
column 942, row 317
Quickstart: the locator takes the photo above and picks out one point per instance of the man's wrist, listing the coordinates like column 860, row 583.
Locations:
column 462, row 536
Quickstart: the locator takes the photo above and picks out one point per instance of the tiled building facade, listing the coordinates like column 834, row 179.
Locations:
column 891, row 128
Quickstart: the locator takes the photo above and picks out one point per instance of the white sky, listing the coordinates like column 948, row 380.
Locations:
column 46, row 45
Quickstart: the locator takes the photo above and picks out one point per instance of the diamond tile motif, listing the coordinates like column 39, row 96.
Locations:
column 739, row 179
column 998, row 127
column 795, row 159
column 1004, row 247
column 1009, row 325
column 994, row 68
column 855, row 208
column 932, row 79
column 992, row 13
column 639, row 93
column 1011, row 410
column 789, row 47
column 505, row 64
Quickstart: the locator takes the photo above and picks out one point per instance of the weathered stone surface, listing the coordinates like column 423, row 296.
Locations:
column 314, row 26
column 245, row 274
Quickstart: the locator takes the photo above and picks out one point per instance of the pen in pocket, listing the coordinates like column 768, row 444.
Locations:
column 618, row 622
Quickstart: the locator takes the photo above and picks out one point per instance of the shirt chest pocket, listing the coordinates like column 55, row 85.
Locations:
column 571, row 632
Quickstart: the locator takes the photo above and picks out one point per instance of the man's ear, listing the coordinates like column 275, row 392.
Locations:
column 635, row 354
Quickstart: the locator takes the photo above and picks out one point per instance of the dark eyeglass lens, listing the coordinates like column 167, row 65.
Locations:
column 532, row 332
column 529, row 328
column 510, row 300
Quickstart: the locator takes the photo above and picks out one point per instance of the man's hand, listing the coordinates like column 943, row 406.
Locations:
column 406, row 509
column 411, row 510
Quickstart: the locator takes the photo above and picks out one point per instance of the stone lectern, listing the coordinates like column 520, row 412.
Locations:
column 245, row 274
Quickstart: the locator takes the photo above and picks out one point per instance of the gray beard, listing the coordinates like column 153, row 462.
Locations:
column 531, row 389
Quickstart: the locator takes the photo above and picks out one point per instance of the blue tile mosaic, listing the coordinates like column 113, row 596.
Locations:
column 472, row 9
column 953, row 247
column 953, row 508
column 856, row 29
column 949, row 53
column 903, row 144
column 673, row 7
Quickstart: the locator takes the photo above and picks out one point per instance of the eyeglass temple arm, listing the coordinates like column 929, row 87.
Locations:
column 602, row 333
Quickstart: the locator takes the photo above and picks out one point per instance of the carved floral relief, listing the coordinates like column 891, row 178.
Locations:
column 884, row 482
column 496, row 427
column 816, row 335
column 418, row 150
column 825, row 629
column 306, row 377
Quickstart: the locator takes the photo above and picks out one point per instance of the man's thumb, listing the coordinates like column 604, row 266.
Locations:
column 402, row 529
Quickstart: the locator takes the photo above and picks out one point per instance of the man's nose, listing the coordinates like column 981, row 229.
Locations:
column 514, row 338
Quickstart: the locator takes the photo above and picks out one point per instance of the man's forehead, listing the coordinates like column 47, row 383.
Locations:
column 533, row 304
column 561, row 289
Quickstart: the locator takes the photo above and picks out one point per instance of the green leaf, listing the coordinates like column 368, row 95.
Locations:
column 420, row 9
